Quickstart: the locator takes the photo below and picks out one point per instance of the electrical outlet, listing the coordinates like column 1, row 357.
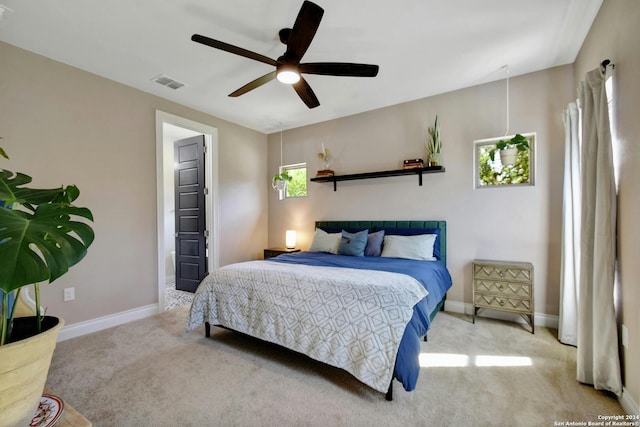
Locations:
column 69, row 294
column 625, row 336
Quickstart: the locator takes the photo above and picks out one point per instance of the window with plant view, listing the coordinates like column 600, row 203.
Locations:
column 297, row 186
column 493, row 169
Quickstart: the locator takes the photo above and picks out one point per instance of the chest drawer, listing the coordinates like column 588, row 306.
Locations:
column 499, row 302
column 508, row 271
column 508, row 289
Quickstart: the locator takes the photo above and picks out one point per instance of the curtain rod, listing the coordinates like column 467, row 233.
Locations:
column 604, row 64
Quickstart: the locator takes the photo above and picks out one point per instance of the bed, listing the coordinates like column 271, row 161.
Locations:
column 361, row 307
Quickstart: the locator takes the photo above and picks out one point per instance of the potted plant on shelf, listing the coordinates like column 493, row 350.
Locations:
column 509, row 149
column 280, row 180
column 40, row 239
column 434, row 145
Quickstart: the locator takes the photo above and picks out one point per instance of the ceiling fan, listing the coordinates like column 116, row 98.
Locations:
column 288, row 67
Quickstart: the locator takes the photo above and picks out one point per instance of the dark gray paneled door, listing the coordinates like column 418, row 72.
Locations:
column 190, row 217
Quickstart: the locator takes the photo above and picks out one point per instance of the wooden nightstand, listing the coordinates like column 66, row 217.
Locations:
column 504, row 286
column 271, row 252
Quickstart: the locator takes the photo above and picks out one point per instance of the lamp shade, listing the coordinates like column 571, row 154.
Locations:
column 290, row 239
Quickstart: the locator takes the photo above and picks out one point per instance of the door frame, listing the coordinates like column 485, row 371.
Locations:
column 211, row 182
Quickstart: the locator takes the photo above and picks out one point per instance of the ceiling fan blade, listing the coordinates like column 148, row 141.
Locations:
column 232, row 49
column 303, row 31
column 306, row 93
column 254, row 84
column 339, row 69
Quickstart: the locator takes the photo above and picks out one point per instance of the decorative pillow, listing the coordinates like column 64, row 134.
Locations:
column 325, row 242
column 409, row 247
column 374, row 243
column 416, row 231
column 353, row 244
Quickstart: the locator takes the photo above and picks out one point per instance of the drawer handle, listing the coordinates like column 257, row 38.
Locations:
column 501, row 302
column 500, row 273
column 501, row 287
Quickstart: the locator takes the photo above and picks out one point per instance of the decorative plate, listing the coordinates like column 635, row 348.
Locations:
column 48, row 412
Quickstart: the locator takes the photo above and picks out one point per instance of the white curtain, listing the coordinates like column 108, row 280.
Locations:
column 570, row 262
column 598, row 362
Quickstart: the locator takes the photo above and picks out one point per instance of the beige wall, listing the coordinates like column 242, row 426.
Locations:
column 65, row 126
column 615, row 35
column 520, row 224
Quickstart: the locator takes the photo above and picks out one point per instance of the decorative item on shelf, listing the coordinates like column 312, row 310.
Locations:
column 509, row 149
column 41, row 237
column 324, row 156
column 412, row 164
column 290, row 239
column 434, row 145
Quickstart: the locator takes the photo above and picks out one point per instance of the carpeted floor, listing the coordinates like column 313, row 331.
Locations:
column 152, row 373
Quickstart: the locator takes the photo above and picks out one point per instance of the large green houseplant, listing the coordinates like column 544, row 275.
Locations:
column 42, row 234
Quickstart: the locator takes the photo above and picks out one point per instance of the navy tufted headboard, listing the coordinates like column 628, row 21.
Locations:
column 391, row 225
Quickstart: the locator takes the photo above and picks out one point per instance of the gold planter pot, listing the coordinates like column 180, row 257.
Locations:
column 24, row 366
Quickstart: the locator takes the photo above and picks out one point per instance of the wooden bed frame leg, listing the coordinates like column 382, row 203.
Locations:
column 207, row 329
column 389, row 395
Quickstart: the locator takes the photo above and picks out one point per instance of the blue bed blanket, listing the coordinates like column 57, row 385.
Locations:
column 434, row 277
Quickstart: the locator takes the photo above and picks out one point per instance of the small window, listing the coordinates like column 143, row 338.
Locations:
column 489, row 170
column 297, row 187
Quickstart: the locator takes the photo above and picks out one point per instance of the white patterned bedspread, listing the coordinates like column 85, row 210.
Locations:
column 348, row 318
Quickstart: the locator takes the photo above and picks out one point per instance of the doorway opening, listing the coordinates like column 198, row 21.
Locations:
column 170, row 128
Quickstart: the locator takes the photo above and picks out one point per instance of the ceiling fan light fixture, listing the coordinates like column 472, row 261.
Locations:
column 288, row 66
column 288, row 75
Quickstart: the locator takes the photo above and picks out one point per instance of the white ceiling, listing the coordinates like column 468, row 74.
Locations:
column 423, row 48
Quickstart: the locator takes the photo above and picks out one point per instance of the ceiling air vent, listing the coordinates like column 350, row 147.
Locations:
column 168, row 82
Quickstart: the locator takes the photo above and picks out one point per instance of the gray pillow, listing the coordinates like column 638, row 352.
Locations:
column 374, row 243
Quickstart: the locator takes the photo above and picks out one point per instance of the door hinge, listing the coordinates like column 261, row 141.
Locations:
column 175, row 234
column 204, row 148
column 206, row 191
column 206, row 233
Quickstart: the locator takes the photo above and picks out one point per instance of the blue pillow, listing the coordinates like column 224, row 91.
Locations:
column 353, row 244
column 374, row 243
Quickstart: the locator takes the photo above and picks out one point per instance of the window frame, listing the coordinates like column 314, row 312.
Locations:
column 283, row 193
column 481, row 143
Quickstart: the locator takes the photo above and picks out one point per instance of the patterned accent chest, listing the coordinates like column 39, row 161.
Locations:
column 504, row 286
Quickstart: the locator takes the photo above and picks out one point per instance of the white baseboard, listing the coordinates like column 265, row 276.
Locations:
column 626, row 401
column 540, row 319
column 95, row 325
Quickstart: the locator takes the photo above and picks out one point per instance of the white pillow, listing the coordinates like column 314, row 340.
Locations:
column 325, row 242
column 409, row 247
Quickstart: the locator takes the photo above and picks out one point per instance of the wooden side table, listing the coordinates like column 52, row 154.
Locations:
column 504, row 286
column 70, row 417
column 271, row 252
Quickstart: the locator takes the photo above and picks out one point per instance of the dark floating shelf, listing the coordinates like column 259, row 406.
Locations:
column 382, row 174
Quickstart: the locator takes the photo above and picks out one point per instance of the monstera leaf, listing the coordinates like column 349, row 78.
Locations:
column 40, row 238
